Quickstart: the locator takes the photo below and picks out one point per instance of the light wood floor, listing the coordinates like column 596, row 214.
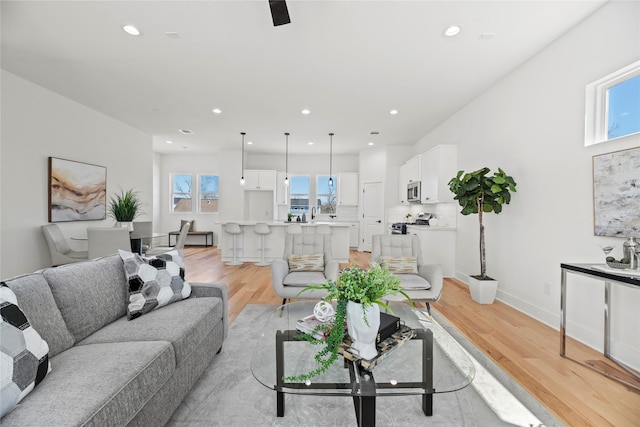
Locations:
column 523, row 347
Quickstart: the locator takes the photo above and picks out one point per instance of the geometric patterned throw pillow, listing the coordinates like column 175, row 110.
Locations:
column 153, row 282
column 400, row 265
column 314, row 262
column 25, row 355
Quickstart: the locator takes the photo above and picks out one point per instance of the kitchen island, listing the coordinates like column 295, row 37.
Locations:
column 248, row 242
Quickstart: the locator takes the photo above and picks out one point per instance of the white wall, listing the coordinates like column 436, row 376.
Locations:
column 531, row 124
column 36, row 124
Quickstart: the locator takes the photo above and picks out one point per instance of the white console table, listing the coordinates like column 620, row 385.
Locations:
column 608, row 276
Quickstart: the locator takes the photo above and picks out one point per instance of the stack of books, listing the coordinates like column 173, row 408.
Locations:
column 309, row 325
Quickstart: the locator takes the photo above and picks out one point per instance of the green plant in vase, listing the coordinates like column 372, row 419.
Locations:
column 125, row 206
column 355, row 285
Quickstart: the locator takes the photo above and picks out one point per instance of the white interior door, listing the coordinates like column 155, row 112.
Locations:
column 372, row 213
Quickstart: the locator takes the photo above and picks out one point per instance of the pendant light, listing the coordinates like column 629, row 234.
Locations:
column 330, row 158
column 242, row 174
column 286, row 161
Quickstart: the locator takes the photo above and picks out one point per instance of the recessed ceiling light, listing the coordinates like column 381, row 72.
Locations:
column 185, row 131
column 131, row 30
column 310, row 143
column 452, row 31
column 370, row 143
column 306, row 111
column 169, row 142
column 393, row 112
column 216, row 111
column 249, row 143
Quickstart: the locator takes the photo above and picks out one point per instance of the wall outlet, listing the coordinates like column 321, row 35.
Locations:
column 547, row 289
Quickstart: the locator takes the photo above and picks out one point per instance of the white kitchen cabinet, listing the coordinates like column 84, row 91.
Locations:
column 259, row 179
column 409, row 172
column 438, row 246
column 282, row 191
column 437, row 167
column 348, row 189
column 354, row 235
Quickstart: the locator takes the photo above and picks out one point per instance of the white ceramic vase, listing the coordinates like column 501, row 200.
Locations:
column 363, row 335
column 483, row 291
column 128, row 225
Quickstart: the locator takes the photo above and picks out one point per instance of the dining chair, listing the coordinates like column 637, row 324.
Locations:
column 106, row 241
column 59, row 249
column 182, row 238
column 143, row 230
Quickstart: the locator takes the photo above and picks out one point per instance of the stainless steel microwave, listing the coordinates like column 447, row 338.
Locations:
column 413, row 191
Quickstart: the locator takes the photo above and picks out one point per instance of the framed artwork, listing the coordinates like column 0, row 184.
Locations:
column 77, row 191
column 616, row 193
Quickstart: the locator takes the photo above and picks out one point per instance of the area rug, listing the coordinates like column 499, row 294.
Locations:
column 228, row 395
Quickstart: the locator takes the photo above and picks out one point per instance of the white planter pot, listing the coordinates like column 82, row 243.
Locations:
column 483, row 291
column 128, row 225
column 363, row 335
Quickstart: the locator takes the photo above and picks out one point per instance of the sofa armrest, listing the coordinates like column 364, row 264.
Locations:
column 432, row 273
column 219, row 290
column 331, row 270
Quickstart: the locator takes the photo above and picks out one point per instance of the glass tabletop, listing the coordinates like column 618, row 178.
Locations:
column 400, row 373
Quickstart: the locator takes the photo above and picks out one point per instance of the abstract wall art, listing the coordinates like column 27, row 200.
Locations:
column 77, row 191
column 616, row 193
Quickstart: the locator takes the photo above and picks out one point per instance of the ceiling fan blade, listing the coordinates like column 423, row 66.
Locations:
column 279, row 12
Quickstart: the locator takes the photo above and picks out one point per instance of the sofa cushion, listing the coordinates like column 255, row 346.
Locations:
column 400, row 265
column 24, row 355
column 192, row 224
column 99, row 385
column 413, row 282
column 37, row 302
column 154, row 282
column 184, row 324
column 89, row 294
column 313, row 262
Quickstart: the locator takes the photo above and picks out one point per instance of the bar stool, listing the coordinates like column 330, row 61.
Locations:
column 233, row 229
column 262, row 229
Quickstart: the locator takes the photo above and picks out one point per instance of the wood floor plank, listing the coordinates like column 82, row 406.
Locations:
column 524, row 348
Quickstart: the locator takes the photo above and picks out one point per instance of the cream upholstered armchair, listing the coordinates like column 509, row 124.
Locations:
column 401, row 254
column 307, row 260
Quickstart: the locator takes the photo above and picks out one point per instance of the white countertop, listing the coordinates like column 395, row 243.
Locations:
column 286, row 223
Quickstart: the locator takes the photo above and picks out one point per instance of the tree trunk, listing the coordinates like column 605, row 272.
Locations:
column 483, row 267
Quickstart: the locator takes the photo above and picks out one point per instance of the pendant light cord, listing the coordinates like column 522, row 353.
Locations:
column 286, row 160
column 242, row 175
column 330, row 158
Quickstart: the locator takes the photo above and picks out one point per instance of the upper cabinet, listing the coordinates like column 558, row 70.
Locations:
column 282, row 191
column 348, row 188
column 437, row 167
column 259, row 179
column 409, row 172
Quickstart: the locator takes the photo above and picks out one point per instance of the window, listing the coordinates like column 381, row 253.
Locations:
column 299, row 194
column 326, row 202
column 181, row 193
column 613, row 106
column 209, row 193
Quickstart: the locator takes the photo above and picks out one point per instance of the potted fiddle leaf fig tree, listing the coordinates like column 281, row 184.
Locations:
column 479, row 193
column 124, row 207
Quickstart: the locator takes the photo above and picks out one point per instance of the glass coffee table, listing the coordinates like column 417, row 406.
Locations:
column 432, row 362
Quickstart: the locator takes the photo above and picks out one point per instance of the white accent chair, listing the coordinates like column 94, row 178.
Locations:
column 426, row 286
column 288, row 284
column 262, row 229
column 233, row 229
column 106, row 241
column 182, row 238
column 59, row 249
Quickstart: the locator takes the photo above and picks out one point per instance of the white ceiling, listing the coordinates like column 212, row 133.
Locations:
column 349, row 62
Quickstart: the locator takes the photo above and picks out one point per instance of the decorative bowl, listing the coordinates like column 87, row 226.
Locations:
column 615, row 264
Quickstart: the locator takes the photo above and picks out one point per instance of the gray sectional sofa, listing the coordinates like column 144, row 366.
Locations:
column 107, row 370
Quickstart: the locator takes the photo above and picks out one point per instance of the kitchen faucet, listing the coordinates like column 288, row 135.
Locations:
column 313, row 212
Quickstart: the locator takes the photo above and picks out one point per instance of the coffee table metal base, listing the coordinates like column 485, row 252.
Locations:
column 365, row 389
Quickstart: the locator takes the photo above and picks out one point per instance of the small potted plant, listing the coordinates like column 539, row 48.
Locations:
column 359, row 295
column 124, row 207
column 478, row 193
